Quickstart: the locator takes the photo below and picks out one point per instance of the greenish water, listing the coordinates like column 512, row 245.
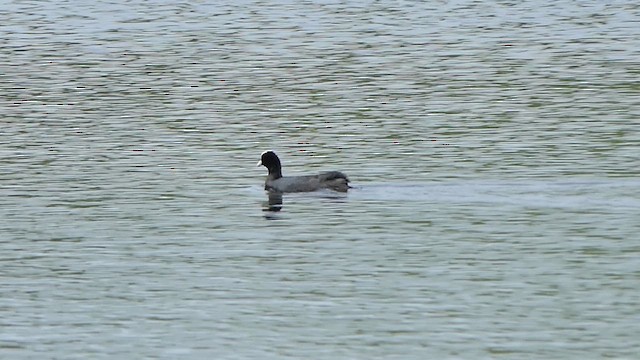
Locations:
column 494, row 150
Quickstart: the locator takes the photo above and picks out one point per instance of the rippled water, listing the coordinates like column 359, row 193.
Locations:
column 494, row 149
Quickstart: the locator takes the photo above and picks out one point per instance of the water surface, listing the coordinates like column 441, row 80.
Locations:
column 493, row 149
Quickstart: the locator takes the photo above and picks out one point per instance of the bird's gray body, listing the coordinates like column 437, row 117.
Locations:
column 333, row 180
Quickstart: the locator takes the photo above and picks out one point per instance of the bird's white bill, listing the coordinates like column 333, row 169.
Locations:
column 259, row 163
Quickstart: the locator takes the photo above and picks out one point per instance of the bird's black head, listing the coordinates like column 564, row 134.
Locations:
column 270, row 160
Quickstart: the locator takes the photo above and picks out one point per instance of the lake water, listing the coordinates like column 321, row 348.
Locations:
column 494, row 150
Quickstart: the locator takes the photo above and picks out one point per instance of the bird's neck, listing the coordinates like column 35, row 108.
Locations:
column 275, row 174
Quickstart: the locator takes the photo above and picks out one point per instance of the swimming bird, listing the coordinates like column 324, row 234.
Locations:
column 334, row 180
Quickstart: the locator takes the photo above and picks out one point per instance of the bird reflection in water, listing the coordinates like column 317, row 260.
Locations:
column 274, row 203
